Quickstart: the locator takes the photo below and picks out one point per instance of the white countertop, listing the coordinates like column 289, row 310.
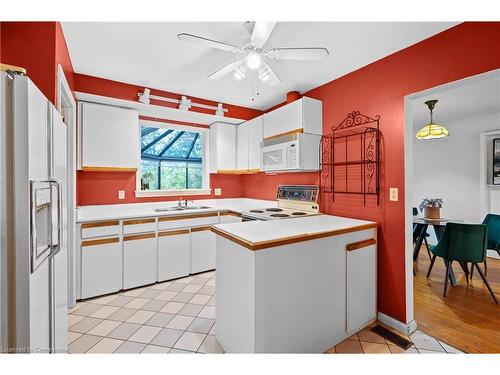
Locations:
column 133, row 210
column 265, row 231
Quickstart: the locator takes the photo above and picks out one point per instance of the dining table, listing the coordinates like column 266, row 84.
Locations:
column 421, row 225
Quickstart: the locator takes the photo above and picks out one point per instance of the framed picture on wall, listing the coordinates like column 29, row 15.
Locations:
column 496, row 161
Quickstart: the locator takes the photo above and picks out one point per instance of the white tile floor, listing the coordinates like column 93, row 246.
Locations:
column 171, row 317
column 179, row 317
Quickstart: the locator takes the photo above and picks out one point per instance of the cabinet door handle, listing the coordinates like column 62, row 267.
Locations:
column 101, row 241
column 360, row 244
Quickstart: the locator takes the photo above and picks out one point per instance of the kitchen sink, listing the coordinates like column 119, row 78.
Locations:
column 181, row 208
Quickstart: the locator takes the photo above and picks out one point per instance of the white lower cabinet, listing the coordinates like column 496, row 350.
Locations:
column 361, row 286
column 174, row 254
column 101, row 266
column 202, row 249
column 139, row 260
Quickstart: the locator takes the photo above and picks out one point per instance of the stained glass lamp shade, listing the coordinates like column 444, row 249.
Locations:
column 432, row 130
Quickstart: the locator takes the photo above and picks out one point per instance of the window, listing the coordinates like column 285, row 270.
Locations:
column 171, row 159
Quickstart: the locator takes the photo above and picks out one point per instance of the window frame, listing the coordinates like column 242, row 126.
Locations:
column 204, row 134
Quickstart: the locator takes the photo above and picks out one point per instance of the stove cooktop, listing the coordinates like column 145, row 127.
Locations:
column 275, row 214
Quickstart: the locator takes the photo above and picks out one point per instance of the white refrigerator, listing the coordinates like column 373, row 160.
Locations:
column 33, row 220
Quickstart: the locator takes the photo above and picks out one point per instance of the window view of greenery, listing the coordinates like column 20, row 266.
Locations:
column 171, row 159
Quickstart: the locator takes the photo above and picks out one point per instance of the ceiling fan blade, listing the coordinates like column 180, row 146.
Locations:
column 261, row 32
column 297, row 53
column 207, row 42
column 272, row 79
column 225, row 70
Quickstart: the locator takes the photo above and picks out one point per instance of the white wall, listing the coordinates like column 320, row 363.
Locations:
column 449, row 168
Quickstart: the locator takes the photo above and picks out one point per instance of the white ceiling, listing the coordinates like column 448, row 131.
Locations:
column 469, row 100
column 149, row 54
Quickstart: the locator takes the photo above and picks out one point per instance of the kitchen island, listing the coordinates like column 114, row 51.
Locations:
column 294, row 286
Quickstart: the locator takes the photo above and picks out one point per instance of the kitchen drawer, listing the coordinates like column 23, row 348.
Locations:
column 101, row 266
column 139, row 260
column 187, row 221
column 202, row 249
column 139, row 226
column 174, row 254
column 100, row 229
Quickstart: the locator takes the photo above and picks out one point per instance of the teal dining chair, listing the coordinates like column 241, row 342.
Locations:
column 492, row 223
column 415, row 227
column 462, row 243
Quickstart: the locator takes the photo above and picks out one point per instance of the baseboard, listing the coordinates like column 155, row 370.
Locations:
column 405, row 328
column 492, row 254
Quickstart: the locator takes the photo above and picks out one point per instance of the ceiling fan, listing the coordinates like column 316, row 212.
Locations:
column 252, row 55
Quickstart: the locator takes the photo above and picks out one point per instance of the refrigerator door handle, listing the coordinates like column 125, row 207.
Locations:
column 56, row 247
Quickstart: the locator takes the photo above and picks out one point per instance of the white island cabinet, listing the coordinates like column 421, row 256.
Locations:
column 294, row 286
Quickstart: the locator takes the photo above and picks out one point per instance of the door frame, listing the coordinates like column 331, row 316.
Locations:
column 408, row 160
column 66, row 100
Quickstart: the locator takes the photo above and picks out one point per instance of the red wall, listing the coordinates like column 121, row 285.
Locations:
column 379, row 89
column 38, row 47
column 32, row 45
column 102, row 188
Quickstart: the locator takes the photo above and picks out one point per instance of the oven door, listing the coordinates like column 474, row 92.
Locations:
column 281, row 156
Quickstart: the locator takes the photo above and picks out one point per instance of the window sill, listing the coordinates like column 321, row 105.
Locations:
column 167, row 193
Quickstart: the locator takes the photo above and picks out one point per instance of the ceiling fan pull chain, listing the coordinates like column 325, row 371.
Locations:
column 253, row 85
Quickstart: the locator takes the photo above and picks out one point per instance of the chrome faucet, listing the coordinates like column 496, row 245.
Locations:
column 181, row 203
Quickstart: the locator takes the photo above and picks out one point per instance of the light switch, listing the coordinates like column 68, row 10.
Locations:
column 393, row 194
column 217, row 191
column 121, row 194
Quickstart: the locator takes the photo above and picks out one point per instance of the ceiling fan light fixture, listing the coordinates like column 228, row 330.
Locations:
column 263, row 74
column 432, row 130
column 239, row 73
column 254, row 60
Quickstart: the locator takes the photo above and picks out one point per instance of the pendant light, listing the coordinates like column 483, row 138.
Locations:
column 432, row 130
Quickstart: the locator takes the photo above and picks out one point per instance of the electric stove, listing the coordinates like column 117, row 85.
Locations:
column 293, row 201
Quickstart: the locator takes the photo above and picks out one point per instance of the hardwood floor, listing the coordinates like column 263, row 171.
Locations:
column 467, row 318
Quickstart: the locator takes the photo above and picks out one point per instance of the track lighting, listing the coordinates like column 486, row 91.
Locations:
column 144, row 97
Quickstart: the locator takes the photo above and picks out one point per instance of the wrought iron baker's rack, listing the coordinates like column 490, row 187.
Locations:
column 355, row 131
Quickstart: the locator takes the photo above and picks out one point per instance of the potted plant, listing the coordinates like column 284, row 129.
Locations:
column 431, row 208
column 146, row 179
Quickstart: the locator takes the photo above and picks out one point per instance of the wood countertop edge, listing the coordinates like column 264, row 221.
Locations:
column 220, row 211
column 292, row 239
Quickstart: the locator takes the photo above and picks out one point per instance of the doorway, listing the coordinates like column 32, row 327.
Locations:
column 66, row 106
column 458, row 170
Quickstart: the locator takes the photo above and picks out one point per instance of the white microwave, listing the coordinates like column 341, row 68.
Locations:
column 296, row 152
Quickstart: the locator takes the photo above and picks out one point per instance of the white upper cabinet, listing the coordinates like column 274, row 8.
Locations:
column 242, row 133
column 222, row 147
column 109, row 137
column 254, row 141
column 292, row 116
column 272, row 122
column 305, row 114
column 248, row 140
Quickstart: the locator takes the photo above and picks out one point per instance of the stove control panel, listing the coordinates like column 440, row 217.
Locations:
column 301, row 193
